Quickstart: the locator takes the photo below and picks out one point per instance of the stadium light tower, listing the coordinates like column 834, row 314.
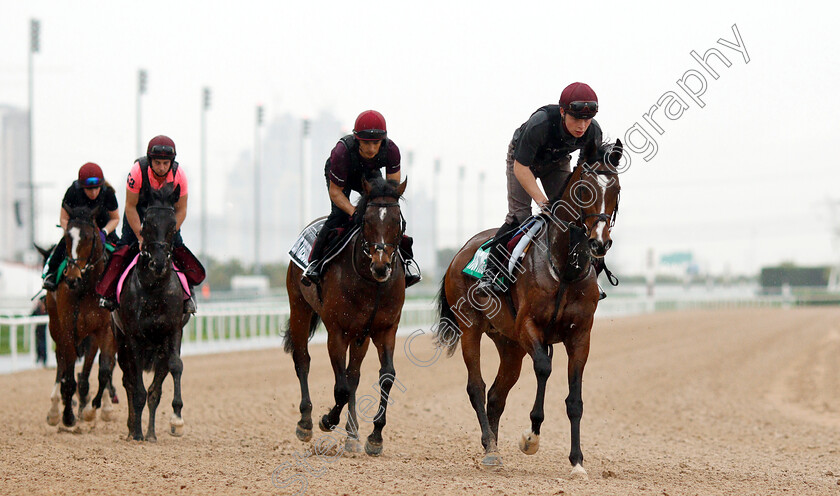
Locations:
column 257, row 268
column 141, row 90
column 34, row 47
column 205, row 106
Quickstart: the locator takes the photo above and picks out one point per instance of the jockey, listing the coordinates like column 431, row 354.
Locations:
column 153, row 170
column 92, row 191
column 355, row 157
column 540, row 149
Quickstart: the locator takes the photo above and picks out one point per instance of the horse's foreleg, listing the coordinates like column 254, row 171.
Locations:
column 176, row 368
column 510, row 366
column 85, row 411
column 154, row 392
column 68, row 383
column 387, row 377
column 337, row 348
column 106, row 371
column 476, row 390
column 357, row 354
column 133, row 382
column 530, row 442
column 53, row 415
column 578, row 351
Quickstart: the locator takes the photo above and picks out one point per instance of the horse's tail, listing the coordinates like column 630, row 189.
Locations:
column 287, row 338
column 447, row 333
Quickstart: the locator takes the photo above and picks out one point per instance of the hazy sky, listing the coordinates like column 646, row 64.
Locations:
column 745, row 179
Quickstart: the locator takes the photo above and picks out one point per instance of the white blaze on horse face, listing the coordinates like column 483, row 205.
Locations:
column 382, row 212
column 599, row 226
column 75, row 234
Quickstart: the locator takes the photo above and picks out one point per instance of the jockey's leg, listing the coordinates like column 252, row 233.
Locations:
column 55, row 259
column 107, row 286
column 337, row 218
column 412, row 270
column 497, row 256
column 189, row 264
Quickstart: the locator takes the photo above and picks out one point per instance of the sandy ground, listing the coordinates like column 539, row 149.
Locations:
column 734, row 402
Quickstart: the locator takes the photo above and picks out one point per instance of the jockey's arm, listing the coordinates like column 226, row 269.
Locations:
column 341, row 201
column 64, row 218
column 393, row 177
column 131, row 213
column 113, row 220
column 529, row 182
column 180, row 211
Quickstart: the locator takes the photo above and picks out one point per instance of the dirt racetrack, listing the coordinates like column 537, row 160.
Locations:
column 734, row 402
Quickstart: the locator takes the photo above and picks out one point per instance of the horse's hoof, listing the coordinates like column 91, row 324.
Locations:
column 373, row 449
column 89, row 414
column 529, row 443
column 107, row 414
column 115, row 399
column 176, row 426
column 73, row 429
column 151, row 438
column 304, row 435
column 491, row 461
column 53, row 418
column 132, row 437
column 353, row 445
column 323, row 425
column 579, row 473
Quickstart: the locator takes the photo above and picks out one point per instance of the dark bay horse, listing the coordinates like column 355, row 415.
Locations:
column 78, row 326
column 552, row 300
column 150, row 318
column 360, row 300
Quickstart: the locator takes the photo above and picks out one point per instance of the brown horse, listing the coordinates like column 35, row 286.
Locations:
column 359, row 299
column 78, row 325
column 552, row 299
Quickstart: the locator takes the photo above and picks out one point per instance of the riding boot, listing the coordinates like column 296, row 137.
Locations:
column 313, row 271
column 599, row 267
column 410, row 267
column 107, row 286
column 496, row 255
column 189, row 303
column 50, row 282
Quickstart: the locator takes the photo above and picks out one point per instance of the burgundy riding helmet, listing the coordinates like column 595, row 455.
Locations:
column 579, row 101
column 90, row 176
column 161, row 147
column 370, row 126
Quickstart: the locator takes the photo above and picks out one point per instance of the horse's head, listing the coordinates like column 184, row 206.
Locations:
column 83, row 244
column 158, row 229
column 382, row 225
column 592, row 196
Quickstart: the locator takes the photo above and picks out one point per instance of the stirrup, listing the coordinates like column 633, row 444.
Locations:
column 108, row 303
column 311, row 274
column 412, row 273
column 601, row 293
column 49, row 282
column 189, row 305
column 488, row 284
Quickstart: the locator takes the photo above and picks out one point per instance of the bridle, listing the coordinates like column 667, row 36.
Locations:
column 89, row 263
column 167, row 246
column 602, row 217
column 380, row 247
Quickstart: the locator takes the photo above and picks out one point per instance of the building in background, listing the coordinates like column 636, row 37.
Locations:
column 14, row 179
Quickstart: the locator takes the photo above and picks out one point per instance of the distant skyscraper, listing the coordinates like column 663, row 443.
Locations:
column 14, row 178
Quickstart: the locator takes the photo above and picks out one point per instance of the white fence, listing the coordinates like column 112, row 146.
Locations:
column 213, row 330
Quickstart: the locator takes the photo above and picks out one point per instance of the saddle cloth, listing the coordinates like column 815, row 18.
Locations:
column 127, row 271
column 517, row 247
column 63, row 265
column 302, row 247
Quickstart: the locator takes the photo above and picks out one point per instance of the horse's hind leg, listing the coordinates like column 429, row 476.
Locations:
column 510, row 366
column 357, row 354
column 298, row 334
column 471, row 349
column 578, row 351
column 154, row 392
column 176, row 367
column 85, row 410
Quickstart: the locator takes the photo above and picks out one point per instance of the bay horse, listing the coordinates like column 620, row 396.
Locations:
column 552, row 298
column 359, row 299
column 78, row 326
column 150, row 318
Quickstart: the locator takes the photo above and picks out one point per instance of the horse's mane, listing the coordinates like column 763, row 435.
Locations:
column 81, row 213
column 379, row 187
column 160, row 197
column 591, row 159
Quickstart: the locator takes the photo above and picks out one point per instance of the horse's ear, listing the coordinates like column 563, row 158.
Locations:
column 44, row 253
column 95, row 212
column 614, row 158
column 401, row 187
column 365, row 187
column 176, row 194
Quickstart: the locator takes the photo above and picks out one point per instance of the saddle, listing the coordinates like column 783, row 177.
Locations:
column 181, row 277
column 336, row 241
column 517, row 246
